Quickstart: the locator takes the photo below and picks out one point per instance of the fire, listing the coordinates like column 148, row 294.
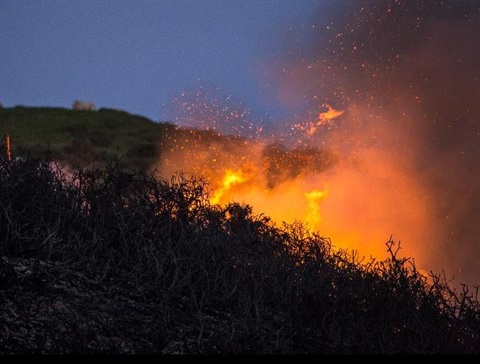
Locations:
column 230, row 179
column 326, row 118
column 368, row 200
column 313, row 218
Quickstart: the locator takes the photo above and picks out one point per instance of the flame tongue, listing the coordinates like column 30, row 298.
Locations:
column 230, row 179
column 324, row 118
column 309, row 211
column 314, row 197
column 328, row 116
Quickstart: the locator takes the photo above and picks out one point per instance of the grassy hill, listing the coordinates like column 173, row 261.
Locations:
column 83, row 136
column 79, row 138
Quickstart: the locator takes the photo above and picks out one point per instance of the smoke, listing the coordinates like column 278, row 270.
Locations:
column 383, row 139
column 407, row 75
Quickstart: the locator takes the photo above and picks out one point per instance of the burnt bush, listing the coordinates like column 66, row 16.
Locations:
column 199, row 278
column 35, row 208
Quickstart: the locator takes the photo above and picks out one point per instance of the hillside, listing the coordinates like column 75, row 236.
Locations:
column 83, row 136
column 115, row 258
column 80, row 138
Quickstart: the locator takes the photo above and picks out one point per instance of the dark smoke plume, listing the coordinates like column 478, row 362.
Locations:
column 407, row 74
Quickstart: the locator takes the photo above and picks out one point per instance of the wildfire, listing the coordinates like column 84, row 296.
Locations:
column 314, row 197
column 368, row 198
column 230, row 179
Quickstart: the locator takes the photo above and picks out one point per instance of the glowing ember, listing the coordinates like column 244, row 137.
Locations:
column 328, row 116
column 324, row 118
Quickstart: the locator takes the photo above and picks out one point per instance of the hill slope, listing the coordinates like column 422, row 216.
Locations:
column 79, row 138
column 113, row 261
column 83, row 136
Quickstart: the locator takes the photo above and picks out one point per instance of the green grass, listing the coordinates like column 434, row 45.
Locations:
column 82, row 136
column 79, row 138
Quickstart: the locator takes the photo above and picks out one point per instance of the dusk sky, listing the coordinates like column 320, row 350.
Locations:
column 139, row 55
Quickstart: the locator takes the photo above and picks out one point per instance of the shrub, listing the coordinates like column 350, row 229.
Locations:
column 221, row 278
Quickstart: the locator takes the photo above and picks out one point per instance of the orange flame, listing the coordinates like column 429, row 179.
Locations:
column 313, row 218
column 368, row 198
column 324, row 118
column 230, row 179
column 328, row 116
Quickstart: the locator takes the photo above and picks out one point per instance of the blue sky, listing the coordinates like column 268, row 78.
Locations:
column 138, row 55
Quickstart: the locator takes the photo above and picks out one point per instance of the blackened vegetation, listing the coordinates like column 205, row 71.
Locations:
column 117, row 261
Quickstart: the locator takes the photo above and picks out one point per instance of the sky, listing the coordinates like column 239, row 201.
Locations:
column 140, row 55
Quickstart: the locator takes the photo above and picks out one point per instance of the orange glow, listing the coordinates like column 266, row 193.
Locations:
column 370, row 195
column 230, row 179
column 313, row 218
